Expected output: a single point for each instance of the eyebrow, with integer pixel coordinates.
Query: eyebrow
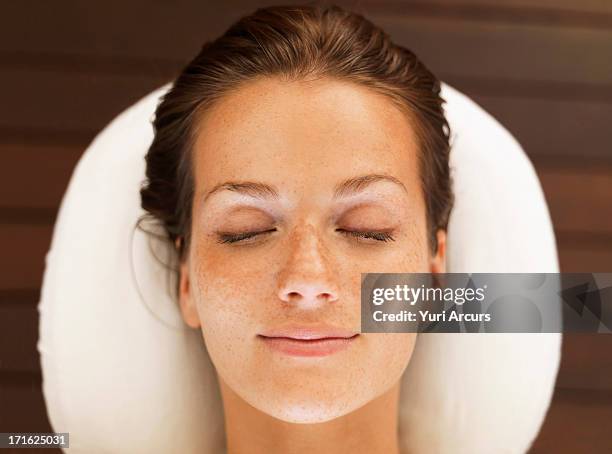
(346, 188)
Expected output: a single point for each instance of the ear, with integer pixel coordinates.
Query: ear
(187, 303)
(438, 261)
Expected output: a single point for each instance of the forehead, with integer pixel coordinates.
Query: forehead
(303, 134)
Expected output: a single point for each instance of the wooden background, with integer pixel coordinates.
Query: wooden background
(542, 67)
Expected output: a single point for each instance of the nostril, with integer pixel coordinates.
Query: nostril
(305, 296)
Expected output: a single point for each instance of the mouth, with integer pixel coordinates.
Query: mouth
(308, 341)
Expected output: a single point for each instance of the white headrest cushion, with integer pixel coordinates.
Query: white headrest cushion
(122, 373)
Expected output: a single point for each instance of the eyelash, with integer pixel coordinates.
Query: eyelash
(235, 238)
(378, 236)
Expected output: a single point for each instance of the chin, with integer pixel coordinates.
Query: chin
(310, 413)
(308, 408)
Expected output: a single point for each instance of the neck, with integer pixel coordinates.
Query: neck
(371, 428)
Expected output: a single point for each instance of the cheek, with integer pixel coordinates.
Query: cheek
(228, 289)
(390, 354)
(226, 299)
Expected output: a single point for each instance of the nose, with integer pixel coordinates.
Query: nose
(308, 278)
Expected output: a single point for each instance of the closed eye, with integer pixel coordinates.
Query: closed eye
(236, 237)
(367, 235)
(378, 236)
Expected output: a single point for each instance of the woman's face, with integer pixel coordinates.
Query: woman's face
(299, 188)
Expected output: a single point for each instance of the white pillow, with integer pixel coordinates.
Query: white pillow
(123, 374)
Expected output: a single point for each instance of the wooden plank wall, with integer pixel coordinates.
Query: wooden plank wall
(542, 67)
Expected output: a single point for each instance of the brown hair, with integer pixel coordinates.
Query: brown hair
(293, 42)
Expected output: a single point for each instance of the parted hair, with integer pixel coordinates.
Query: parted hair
(293, 43)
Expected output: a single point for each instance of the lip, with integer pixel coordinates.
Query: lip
(308, 341)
